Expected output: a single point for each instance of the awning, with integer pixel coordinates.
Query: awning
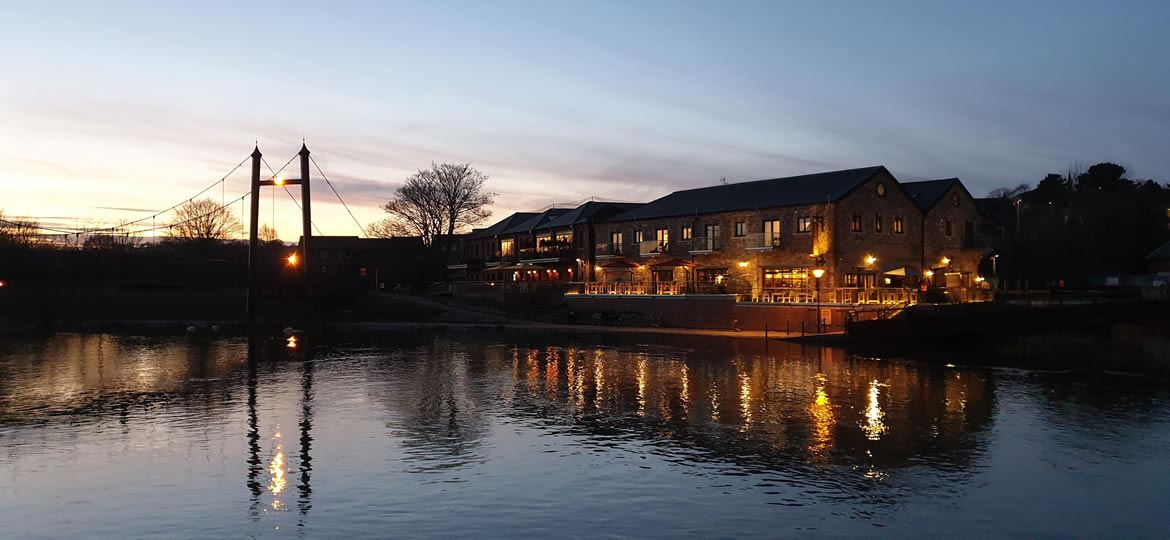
(902, 271)
(519, 267)
(674, 263)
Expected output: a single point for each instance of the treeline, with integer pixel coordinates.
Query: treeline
(1076, 227)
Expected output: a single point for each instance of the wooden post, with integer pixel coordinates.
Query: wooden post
(307, 229)
(253, 236)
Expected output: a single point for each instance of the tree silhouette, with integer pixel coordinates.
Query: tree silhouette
(267, 234)
(436, 202)
(204, 221)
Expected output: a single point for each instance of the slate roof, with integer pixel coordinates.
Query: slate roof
(773, 193)
(927, 193)
(1161, 253)
(499, 226)
(537, 221)
(591, 209)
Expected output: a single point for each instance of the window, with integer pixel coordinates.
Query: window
(897, 225)
(615, 242)
(544, 241)
(955, 200)
(710, 275)
(856, 222)
(850, 280)
(711, 241)
(881, 190)
(363, 271)
(947, 226)
(803, 224)
(877, 224)
(779, 278)
(662, 236)
(772, 233)
(638, 236)
(506, 248)
(740, 228)
(687, 232)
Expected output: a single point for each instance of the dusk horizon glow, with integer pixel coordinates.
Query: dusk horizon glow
(123, 110)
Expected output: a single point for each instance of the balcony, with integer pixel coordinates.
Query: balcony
(651, 248)
(761, 242)
(705, 244)
(608, 251)
(547, 253)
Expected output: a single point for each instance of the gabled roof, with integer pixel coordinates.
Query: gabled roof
(589, 210)
(536, 222)
(773, 193)
(929, 192)
(499, 226)
(1161, 253)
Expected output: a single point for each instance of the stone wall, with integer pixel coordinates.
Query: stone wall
(964, 257)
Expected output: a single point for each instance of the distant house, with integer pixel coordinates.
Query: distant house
(344, 265)
(1158, 261)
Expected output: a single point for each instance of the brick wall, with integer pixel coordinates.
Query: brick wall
(964, 257)
(891, 249)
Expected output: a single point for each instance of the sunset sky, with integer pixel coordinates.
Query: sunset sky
(115, 109)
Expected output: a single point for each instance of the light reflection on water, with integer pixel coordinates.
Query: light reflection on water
(495, 434)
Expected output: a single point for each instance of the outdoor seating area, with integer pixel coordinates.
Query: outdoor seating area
(852, 296)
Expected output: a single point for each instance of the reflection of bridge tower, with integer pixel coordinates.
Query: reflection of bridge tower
(254, 226)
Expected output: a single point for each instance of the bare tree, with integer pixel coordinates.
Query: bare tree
(267, 234)
(204, 220)
(19, 232)
(436, 202)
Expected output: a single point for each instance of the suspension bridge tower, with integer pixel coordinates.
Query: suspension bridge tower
(254, 227)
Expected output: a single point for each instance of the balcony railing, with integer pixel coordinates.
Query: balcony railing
(547, 252)
(650, 248)
(761, 241)
(705, 243)
(609, 250)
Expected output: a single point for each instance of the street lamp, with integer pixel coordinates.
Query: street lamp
(292, 259)
(817, 273)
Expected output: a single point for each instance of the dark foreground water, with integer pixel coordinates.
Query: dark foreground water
(502, 435)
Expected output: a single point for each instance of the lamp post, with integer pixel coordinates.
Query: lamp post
(817, 273)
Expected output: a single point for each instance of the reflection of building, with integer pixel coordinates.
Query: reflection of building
(863, 227)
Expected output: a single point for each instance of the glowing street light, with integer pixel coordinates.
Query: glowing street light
(292, 259)
(870, 259)
(817, 273)
(946, 261)
(279, 180)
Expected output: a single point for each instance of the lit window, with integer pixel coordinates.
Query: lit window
(687, 231)
(877, 224)
(804, 225)
(638, 236)
(615, 242)
(897, 225)
(856, 222)
(772, 233)
(740, 228)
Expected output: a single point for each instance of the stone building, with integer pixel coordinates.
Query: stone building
(862, 227)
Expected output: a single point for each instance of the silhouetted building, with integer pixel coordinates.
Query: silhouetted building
(345, 265)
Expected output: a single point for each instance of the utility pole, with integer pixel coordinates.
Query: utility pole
(306, 218)
(253, 236)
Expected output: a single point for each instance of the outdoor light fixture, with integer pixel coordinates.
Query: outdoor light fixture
(946, 261)
(978, 279)
(870, 259)
(818, 272)
(930, 273)
(279, 180)
(292, 259)
(888, 281)
(597, 268)
(743, 264)
(292, 342)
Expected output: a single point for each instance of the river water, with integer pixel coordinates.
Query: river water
(527, 435)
